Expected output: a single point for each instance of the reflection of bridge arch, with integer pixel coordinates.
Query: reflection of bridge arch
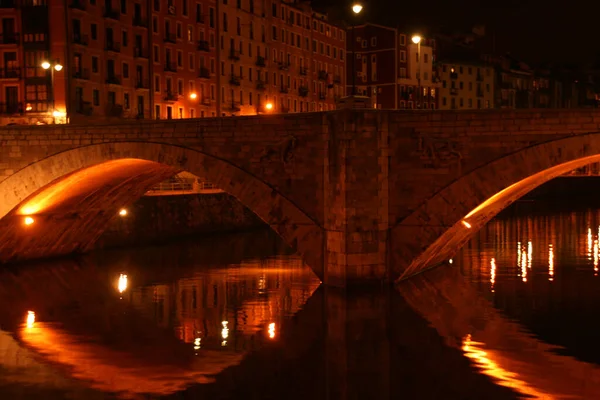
(75, 193)
(455, 213)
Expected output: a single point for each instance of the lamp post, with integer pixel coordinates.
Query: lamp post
(356, 9)
(416, 39)
(54, 66)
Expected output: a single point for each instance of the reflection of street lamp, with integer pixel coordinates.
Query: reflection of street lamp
(416, 39)
(54, 66)
(269, 106)
(356, 9)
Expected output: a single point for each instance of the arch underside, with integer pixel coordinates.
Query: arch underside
(73, 196)
(441, 225)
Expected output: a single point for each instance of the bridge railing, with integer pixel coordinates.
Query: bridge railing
(182, 186)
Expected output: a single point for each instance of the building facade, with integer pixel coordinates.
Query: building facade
(165, 59)
(385, 65)
(466, 86)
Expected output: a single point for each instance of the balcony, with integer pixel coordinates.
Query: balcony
(322, 95)
(169, 38)
(139, 22)
(170, 96)
(111, 14)
(303, 71)
(78, 5)
(139, 52)
(234, 55)
(113, 79)
(80, 39)
(82, 74)
(206, 101)
(322, 75)
(203, 45)
(142, 84)
(260, 85)
(284, 89)
(234, 80)
(303, 91)
(260, 61)
(115, 47)
(9, 38)
(232, 107)
(170, 67)
(284, 66)
(10, 73)
(204, 73)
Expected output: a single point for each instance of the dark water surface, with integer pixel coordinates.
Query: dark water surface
(514, 315)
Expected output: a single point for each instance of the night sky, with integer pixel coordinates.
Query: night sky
(534, 30)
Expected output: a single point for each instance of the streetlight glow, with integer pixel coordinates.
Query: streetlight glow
(28, 220)
(357, 8)
(45, 65)
(123, 212)
(416, 39)
(58, 67)
(269, 106)
(193, 96)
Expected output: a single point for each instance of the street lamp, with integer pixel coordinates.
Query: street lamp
(269, 106)
(54, 66)
(193, 96)
(416, 39)
(356, 9)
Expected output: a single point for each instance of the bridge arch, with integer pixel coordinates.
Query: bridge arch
(448, 219)
(75, 193)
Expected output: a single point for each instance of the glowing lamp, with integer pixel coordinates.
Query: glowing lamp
(58, 67)
(123, 212)
(357, 8)
(269, 106)
(28, 220)
(28, 107)
(416, 39)
(193, 96)
(45, 65)
(30, 319)
(59, 114)
(466, 224)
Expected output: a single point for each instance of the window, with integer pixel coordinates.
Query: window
(94, 31)
(191, 60)
(156, 83)
(124, 39)
(179, 30)
(224, 22)
(96, 97)
(402, 40)
(123, 6)
(374, 41)
(179, 59)
(155, 24)
(180, 113)
(156, 52)
(125, 70)
(156, 5)
(126, 104)
(425, 58)
(180, 87)
(190, 33)
(239, 26)
(184, 8)
(211, 17)
(95, 64)
(157, 111)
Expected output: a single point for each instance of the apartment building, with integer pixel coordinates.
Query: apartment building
(466, 85)
(71, 60)
(278, 56)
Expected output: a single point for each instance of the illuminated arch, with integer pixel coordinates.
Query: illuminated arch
(447, 220)
(79, 190)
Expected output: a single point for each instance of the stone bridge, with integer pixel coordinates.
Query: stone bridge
(362, 195)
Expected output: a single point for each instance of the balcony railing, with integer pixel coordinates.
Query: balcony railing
(140, 52)
(113, 79)
(111, 14)
(234, 80)
(337, 79)
(82, 74)
(80, 39)
(204, 73)
(303, 91)
(10, 73)
(170, 67)
(322, 75)
(113, 46)
(9, 38)
(78, 5)
(303, 71)
(170, 96)
(169, 38)
(284, 66)
(139, 21)
(203, 45)
(261, 62)
(142, 84)
(234, 55)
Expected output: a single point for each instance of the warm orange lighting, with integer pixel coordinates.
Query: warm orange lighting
(193, 96)
(58, 67)
(466, 224)
(28, 220)
(123, 212)
(269, 106)
(272, 330)
(416, 39)
(45, 65)
(30, 319)
(123, 283)
(450, 261)
(550, 262)
(357, 8)
(28, 107)
(492, 273)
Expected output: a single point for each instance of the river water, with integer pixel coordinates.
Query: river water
(514, 315)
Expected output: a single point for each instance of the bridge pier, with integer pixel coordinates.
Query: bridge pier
(356, 200)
